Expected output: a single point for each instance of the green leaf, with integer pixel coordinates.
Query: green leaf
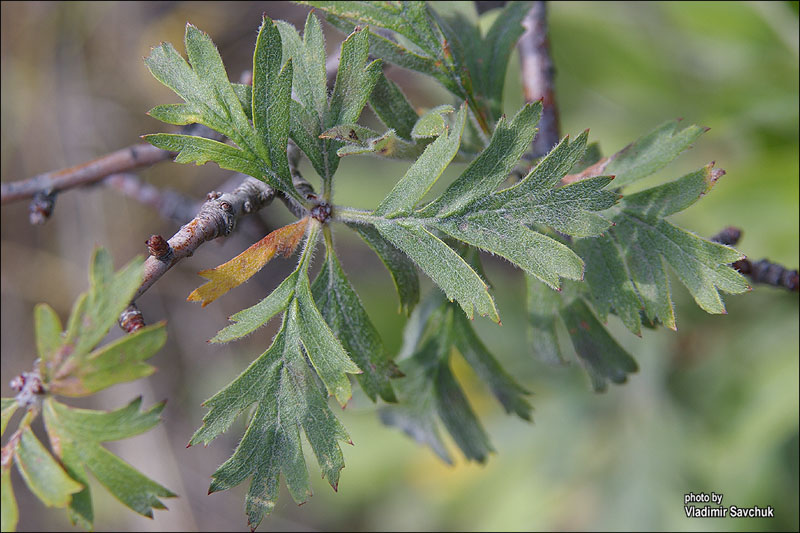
(443, 265)
(626, 267)
(432, 123)
(9, 407)
(424, 172)
(355, 80)
(272, 90)
(348, 320)
(543, 305)
(213, 101)
(400, 267)
(652, 152)
(118, 362)
(9, 512)
(508, 392)
(499, 222)
(200, 151)
(48, 331)
(288, 399)
(43, 475)
(312, 114)
(603, 358)
(430, 393)
(79, 433)
(252, 318)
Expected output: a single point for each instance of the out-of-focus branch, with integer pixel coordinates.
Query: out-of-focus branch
(537, 77)
(126, 159)
(43, 188)
(170, 204)
(763, 271)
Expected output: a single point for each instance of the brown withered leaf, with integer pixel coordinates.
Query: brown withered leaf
(242, 267)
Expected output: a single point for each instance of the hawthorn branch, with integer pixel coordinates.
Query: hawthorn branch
(170, 204)
(764, 271)
(43, 188)
(217, 218)
(537, 78)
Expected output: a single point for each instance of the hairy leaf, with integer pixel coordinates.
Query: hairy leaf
(348, 320)
(312, 113)
(9, 512)
(76, 435)
(213, 101)
(400, 267)
(288, 400)
(501, 222)
(626, 268)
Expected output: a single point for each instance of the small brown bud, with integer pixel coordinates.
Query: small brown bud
(321, 212)
(131, 319)
(158, 247)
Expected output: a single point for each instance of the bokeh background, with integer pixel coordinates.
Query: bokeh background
(714, 406)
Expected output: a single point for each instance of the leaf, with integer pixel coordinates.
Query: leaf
(252, 318)
(543, 305)
(312, 114)
(233, 273)
(626, 267)
(43, 475)
(444, 266)
(200, 151)
(9, 407)
(424, 172)
(9, 512)
(603, 358)
(213, 101)
(288, 400)
(504, 222)
(340, 306)
(430, 393)
(77, 435)
(400, 267)
(48, 331)
(272, 90)
(651, 152)
(442, 41)
(118, 362)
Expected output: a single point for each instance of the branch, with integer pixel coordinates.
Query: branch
(763, 271)
(537, 78)
(43, 188)
(217, 217)
(170, 204)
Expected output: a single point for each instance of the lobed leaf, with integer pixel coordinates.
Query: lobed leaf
(392, 107)
(340, 306)
(9, 512)
(288, 399)
(77, 435)
(600, 354)
(7, 409)
(626, 267)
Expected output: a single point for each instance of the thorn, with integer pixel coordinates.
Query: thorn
(335, 487)
(613, 176)
(189, 445)
(499, 322)
(350, 442)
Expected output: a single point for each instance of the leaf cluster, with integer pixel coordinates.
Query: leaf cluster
(68, 365)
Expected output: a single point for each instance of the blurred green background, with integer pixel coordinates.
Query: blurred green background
(713, 408)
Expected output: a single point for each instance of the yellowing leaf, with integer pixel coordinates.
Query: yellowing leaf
(242, 267)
